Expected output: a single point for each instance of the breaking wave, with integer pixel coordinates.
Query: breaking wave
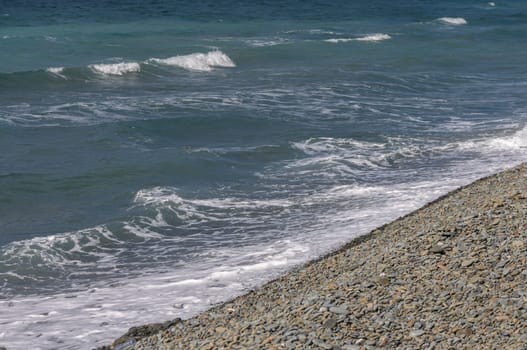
(456, 21)
(116, 68)
(204, 62)
(195, 62)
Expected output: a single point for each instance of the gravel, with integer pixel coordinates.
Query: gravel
(451, 275)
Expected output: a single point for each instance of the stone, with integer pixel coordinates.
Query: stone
(268, 340)
(517, 244)
(383, 341)
(437, 249)
(338, 310)
(330, 323)
(416, 333)
(127, 345)
(220, 329)
(383, 281)
(467, 262)
(322, 344)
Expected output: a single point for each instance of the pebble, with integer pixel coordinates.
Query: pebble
(330, 323)
(450, 275)
(417, 333)
(338, 310)
(322, 344)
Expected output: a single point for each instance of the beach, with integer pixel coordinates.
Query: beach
(449, 275)
(160, 158)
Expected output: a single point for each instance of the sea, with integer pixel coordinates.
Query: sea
(158, 157)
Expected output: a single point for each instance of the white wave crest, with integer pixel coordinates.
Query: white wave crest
(203, 62)
(516, 141)
(370, 38)
(55, 70)
(166, 198)
(116, 68)
(456, 21)
(192, 211)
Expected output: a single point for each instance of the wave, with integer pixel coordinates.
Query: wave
(197, 61)
(370, 38)
(116, 68)
(57, 71)
(160, 222)
(333, 157)
(453, 20)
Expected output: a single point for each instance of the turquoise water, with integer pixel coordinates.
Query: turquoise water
(159, 157)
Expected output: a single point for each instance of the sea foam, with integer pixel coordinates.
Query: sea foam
(116, 68)
(370, 38)
(204, 62)
(456, 21)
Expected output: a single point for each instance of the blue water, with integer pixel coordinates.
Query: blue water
(158, 157)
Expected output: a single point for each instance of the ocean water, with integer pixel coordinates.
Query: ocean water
(159, 157)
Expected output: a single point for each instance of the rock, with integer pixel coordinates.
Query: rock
(268, 340)
(322, 344)
(350, 347)
(517, 244)
(467, 262)
(220, 329)
(330, 323)
(383, 281)
(464, 332)
(383, 341)
(127, 345)
(416, 333)
(136, 333)
(338, 310)
(437, 249)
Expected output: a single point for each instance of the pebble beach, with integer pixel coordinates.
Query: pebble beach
(450, 275)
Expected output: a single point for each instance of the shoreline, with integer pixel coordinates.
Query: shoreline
(449, 274)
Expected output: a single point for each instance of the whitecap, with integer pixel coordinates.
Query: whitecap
(492, 4)
(116, 68)
(203, 62)
(370, 38)
(56, 71)
(453, 20)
